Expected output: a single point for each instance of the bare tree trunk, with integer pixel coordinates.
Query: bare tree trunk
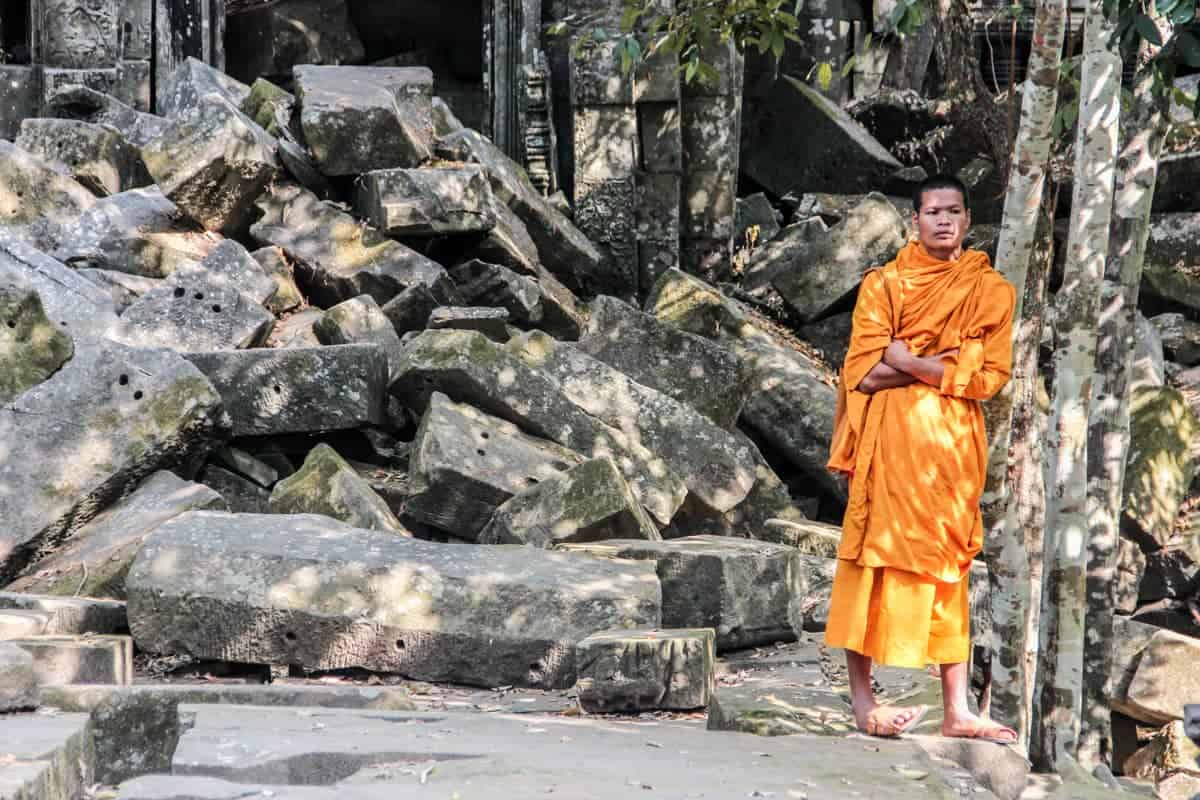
(1108, 432)
(1013, 540)
(1064, 598)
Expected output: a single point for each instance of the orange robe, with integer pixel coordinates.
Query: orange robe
(916, 457)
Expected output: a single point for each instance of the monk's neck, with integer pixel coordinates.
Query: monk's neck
(942, 253)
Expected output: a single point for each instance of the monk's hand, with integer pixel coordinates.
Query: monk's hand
(897, 356)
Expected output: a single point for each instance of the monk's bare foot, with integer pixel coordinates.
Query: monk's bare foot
(887, 721)
(970, 726)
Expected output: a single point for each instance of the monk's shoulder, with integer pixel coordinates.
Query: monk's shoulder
(996, 285)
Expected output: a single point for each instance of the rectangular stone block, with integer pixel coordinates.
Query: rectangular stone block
(20, 97)
(53, 79)
(70, 616)
(605, 212)
(302, 389)
(18, 624)
(428, 201)
(708, 203)
(135, 31)
(658, 201)
(75, 34)
(606, 143)
(18, 681)
(133, 84)
(634, 671)
(596, 77)
(308, 590)
(1165, 679)
(657, 79)
(46, 757)
(707, 258)
(61, 660)
(660, 133)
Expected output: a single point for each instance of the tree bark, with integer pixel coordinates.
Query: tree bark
(1064, 598)
(1013, 540)
(1108, 430)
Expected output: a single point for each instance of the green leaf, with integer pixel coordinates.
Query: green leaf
(1070, 114)
(556, 29)
(1189, 49)
(777, 44)
(849, 65)
(1164, 7)
(630, 17)
(824, 75)
(1148, 30)
(1184, 13)
(690, 72)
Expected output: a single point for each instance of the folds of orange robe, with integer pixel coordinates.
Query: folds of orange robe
(917, 455)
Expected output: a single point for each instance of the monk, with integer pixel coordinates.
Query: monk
(931, 338)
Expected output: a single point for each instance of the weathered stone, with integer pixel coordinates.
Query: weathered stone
(540, 303)
(139, 232)
(1172, 254)
(686, 367)
(489, 616)
(123, 288)
(605, 210)
(469, 368)
(646, 670)
(94, 562)
(19, 97)
(1158, 467)
(587, 503)
(71, 302)
(791, 398)
(299, 389)
(47, 756)
(297, 329)
(1127, 580)
(716, 467)
(444, 120)
(1165, 679)
(660, 136)
(228, 266)
(97, 156)
(359, 119)
(88, 105)
(808, 536)
(359, 320)
(1170, 572)
(327, 485)
(562, 248)
(38, 199)
(829, 336)
(755, 221)
(508, 243)
(212, 163)
(1148, 367)
(410, 310)
(193, 314)
(336, 256)
(1180, 338)
(1180, 786)
(18, 682)
(812, 269)
(191, 81)
(132, 86)
(738, 587)
(429, 201)
(287, 294)
(70, 616)
(465, 464)
(239, 494)
(112, 415)
(269, 106)
(491, 322)
(61, 660)
(15, 624)
(32, 348)
(54, 79)
(246, 465)
(271, 39)
(1169, 751)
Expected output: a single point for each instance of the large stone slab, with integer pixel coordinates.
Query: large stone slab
(327, 484)
(88, 105)
(188, 84)
(46, 757)
(111, 416)
(70, 616)
(1172, 252)
(61, 660)
(689, 368)
(738, 587)
(94, 562)
(1164, 680)
(301, 389)
(645, 670)
(587, 503)
(32, 348)
(429, 201)
(1159, 465)
(337, 257)
(359, 119)
(470, 368)
(491, 322)
(38, 199)
(18, 681)
(465, 464)
(97, 156)
(536, 300)
(123, 288)
(410, 310)
(230, 266)
(190, 313)
(308, 590)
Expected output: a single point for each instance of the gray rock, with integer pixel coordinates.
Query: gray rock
(1172, 252)
(63, 660)
(327, 485)
(247, 465)
(122, 287)
(829, 336)
(686, 367)
(287, 294)
(32, 348)
(97, 156)
(271, 39)
(587, 503)
(410, 310)
(337, 257)
(469, 368)
(269, 106)
(754, 212)
(70, 616)
(1149, 369)
(111, 416)
(1170, 573)
(193, 314)
(491, 322)
(18, 683)
(717, 468)
(38, 200)
(465, 464)
(15, 624)
(360, 320)
(1127, 579)
(71, 302)
(321, 594)
(228, 266)
(359, 119)
(88, 105)
(429, 201)
(298, 390)
(238, 493)
(444, 120)
(1180, 338)
(739, 587)
(212, 163)
(508, 243)
(190, 82)
(297, 329)
(634, 671)
(539, 303)
(1159, 466)
(1164, 679)
(94, 562)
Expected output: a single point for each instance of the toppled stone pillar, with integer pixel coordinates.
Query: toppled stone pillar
(645, 670)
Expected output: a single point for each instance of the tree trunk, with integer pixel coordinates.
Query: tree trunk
(1062, 628)
(1108, 431)
(1013, 541)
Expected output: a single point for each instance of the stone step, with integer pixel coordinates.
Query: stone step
(61, 660)
(70, 616)
(45, 757)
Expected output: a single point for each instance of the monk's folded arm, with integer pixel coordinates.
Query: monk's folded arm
(993, 335)
(927, 369)
(883, 377)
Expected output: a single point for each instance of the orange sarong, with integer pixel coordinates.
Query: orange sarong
(916, 457)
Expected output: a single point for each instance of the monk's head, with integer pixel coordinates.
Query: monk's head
(941, 215)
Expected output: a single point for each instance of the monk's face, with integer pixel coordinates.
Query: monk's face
(942, 222)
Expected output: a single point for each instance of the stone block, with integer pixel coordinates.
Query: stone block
(710, 133)
(32, 348)
(659, 195)
(754, 211)
(38, 199)
(122, 287)
(661, 137)
(150, 408)
(297, 330)
(1164, 680)
(16, 624)
(606, 212)
(228, 266)
(321, 594)
(1180, 786)
(248, 466)
(54, 80)
(18, 681)
(269, 106)
(133, 84)
(359, 119)
(606, 143)
(94, 562)
(540, 303)
(98, 157)
(466, 464)
(336, 256)
(429, 201)
(70, 616)
(270, 40)
(88, 105)
(61, 660)
(1158, 466)
(297, 390)
(287, 294)
(410, 310)
(359, 320)
(508, 243)
(657, 79)
(596, 77)
(75, 36)
(491, 322)
(20, 97)
(190, 82)
(829, 336)
(238, 493)
(1179, 335)
(711, 259)
(1170, 573)
(193, 314)
(739, 587)
(587, 503)
(445, 122)
(1169, 751)
(708, 204)
(634, 671)
(327, 484)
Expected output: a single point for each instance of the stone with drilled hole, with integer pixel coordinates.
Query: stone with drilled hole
(64, 660)
(646, 670)
(70, 616)
(359, 320)
(195, 315)
(228, 266)
(18, 682)
(97, 156)
(32, 348)
(309, 590)
(327, 485)
(491, 322)
(72, 303)
(429, 201)
(38, 199)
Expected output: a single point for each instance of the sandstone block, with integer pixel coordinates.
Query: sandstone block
(18, 682)
(491, 322)
(410, 310)
(1180, 338)
(32, 348)
(88, 105)
(1164, 680)
(229, 266)
(38, 199)
(70, 616)
(16, 624)
(270, 40)
(72, 303)
(61, 660)
(190, 82)
(427, 202)
(287, 294)
(123, 288)
(645, 670)
(98, 157)
(1159, 465)
(238, 494)
(538, 302)
(192, 314)
(327, 485)
(359, 320)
